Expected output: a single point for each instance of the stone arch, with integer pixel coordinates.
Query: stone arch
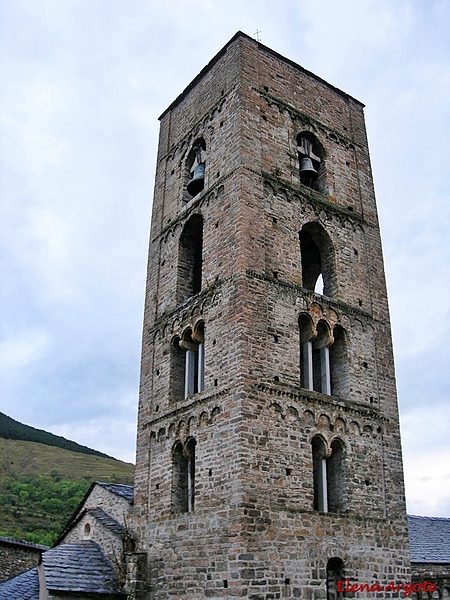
(292, 413)
(203, 419)
(339, 425)
(324, 422)
(354, 428)
(309, 418)
(215, 412)
(275, 409)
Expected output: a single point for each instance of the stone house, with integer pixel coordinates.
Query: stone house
(88, 559)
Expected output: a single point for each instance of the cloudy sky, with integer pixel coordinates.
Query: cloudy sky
(82, 85)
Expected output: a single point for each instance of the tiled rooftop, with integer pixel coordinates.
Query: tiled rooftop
(429, 539)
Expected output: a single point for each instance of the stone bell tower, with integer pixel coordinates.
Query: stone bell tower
(269, 460)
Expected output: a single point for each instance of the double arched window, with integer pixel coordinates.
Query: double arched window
(328, 475)
(183, 482)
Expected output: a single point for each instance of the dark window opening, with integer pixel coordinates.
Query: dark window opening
(190, 249)
(335, 478)
(340, 384)
(317, 260)
(177, 367)
(335, 573)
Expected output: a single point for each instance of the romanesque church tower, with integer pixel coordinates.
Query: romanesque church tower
(269, 460)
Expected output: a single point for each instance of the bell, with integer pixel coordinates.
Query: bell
(307, 170)
(197, 183)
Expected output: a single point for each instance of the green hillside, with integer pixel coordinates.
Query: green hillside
(13, 430)
(41, 485)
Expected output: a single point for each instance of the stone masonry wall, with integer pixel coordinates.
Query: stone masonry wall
(17, 557)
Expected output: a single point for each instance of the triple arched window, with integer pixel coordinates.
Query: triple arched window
(323, 357)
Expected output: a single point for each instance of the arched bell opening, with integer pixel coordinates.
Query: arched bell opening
(195, 168)
(311, 156)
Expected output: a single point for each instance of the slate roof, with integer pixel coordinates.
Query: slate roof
(125, 491)
(22, 587)
(77, 567)
(22, 544)
(429, 539)
(107, 521)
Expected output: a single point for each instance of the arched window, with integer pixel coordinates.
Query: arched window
(335, 478)
(183, 484)
(335, 573)
(311, 156)
(328, 476)
(321, 359)
(190, 457)
(315, 371)
(193, 343)
(190, 249)
(318, 259)
(320, 474)
(340, 385)
(307, 334)
(177, 368)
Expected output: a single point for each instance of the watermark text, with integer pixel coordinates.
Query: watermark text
(346, 585)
